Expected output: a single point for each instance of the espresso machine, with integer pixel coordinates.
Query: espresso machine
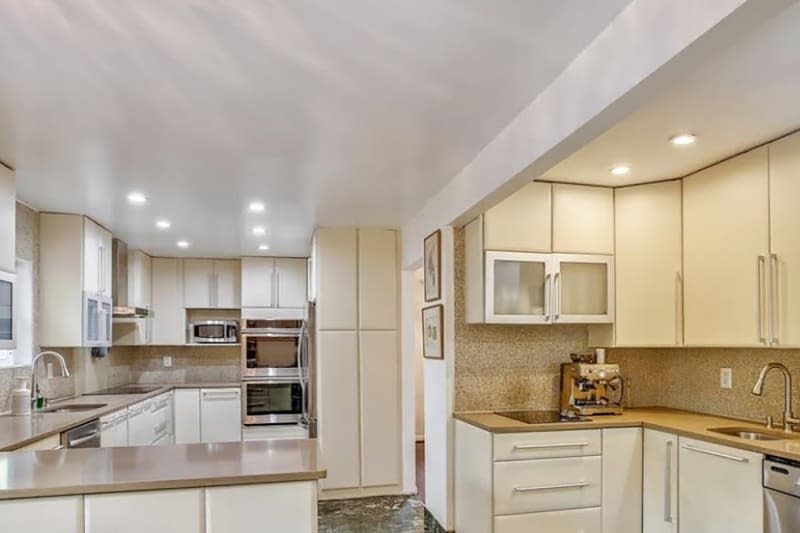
(589, 388)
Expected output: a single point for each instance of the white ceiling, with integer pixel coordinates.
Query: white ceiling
(741, 97)
(346, 112)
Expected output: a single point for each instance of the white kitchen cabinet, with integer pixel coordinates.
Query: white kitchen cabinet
(784, 263)
(726, 252)
(140, 424)
(622, 480)
(648, 260)
(63, 514)
(211, 283)
(282, 507)
(139, 279)
(274, 282)
(719, 488)
(583, 219)
(74, 282)
(220, 415)
(338, 407)
(337, 283)
(570, 521)
(377, 279)
(175, 511)
(522, 222)
(114, 429)
(187, 416)
(168, 320)
(380, 408)
(53, 442)
(659, 482)
(8, 209)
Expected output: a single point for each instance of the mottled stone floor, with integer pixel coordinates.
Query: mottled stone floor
(389, 514)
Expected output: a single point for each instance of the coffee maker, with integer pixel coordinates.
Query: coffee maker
(589, 388)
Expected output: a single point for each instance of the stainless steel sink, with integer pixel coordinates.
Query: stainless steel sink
(73, 408)
(753, 433)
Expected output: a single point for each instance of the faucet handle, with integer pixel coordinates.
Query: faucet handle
(770, 422)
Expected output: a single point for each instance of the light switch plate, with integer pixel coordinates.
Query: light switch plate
(726, 378)
(167, 360)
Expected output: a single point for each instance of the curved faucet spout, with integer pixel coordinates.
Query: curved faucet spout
(758, 389)
(62, 364)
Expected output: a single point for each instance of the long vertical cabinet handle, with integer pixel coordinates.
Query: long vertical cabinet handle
(668, 484)
(678, 292)
(774, 309)
(547, 294)
(760, 263)
(273, 286)
(277, 288)
(557, 296)
(216, 290)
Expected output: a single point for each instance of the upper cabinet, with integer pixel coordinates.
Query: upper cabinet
(96, 258)
(512, 276)
(583, 219)
(648, 261)
(168, 314)
(725, 252)
(279, 283)
(211, 283)
(7, 220)
(139, 279)
(377, 274)
(784, 260)
(337, 278)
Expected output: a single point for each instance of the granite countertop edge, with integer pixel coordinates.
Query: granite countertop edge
(115, 403)
(682, 423)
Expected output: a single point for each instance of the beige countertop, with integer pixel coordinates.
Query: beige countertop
(104, 470)
(19, 431)
(688, 424)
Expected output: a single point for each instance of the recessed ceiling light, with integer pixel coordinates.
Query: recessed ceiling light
(163, 224)
(256, 207)
(137, 198)
(259, 230)
(263, 247)
(683, 139)
(619, 170)
(182, 244)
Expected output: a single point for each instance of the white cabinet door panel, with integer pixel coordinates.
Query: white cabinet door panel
(571, 521)
(258, 278)
(660, 482)
(583, 219)
(187, 416)
(267, 508)
(169, 317)
(521, 222)
(622, 480)
(292, 282)
(227, 283)
(377, 279)
(198, 283)
(337, 284)
(547, 444)
(8, 252)
(162, 511)
(53, 515)
(220, 415)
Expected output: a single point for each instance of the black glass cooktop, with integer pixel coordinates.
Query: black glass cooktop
(128, 389)
(540, 417)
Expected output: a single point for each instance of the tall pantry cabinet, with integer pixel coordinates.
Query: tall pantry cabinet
(356, 280)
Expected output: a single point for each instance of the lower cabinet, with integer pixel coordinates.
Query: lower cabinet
(53, 515)
(187, 416)
(660, 482)
(582, 481)
(176, 511)
(280, 507)
(114, 429)
(220, 415)
(719, 488)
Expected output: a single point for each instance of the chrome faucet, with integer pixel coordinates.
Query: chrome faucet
(789, 419)
(61, 362)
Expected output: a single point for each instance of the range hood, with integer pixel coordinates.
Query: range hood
(119, 281)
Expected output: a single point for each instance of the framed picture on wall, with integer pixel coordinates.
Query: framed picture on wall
(433, 332)
(432, 266)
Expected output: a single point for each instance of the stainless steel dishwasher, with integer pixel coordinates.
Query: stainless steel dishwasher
(781, 495)
(84, 436)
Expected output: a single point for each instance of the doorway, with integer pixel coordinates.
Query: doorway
(419, 370)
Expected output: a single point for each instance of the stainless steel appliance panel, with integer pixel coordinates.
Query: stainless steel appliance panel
(781, 496)
(272, 348)
(84, 436)
(214, 332)
(273, 401)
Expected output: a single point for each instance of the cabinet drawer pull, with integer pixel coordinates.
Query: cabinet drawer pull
(554, 445)
(578, 485)
(716, 454)
(220, 395)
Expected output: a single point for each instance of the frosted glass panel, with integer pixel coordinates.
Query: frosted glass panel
(518, 288)
(584, 288)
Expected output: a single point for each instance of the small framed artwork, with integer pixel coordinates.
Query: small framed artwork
(433, 332)
(432, 266)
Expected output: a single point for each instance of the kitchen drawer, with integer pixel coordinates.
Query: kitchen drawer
(547, 444)
(547, 485)
(572, 521)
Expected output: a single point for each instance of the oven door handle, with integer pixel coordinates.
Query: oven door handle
(82, 440)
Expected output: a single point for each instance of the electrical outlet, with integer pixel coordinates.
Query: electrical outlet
(167, 360)
(726, 378)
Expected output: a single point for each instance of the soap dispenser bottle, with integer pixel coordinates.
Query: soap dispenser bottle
(21, 397)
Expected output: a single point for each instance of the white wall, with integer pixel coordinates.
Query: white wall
(419, 360)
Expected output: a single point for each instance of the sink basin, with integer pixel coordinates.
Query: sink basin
(753, 433)
(73, 408)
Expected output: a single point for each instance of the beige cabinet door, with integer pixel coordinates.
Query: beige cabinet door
(139, 267)
(92, 262)
(725, 247)
(583, 219)
(169, 317)
(337, 279)
(338, 406)
(227, 283)
(784, 175)
(258, 281)
(380, 408)
(8, 252)
(521, 222)
(198, 283)
(660, 482)
(291, 278)
(648, 265)
(377, 279)
(176, 511)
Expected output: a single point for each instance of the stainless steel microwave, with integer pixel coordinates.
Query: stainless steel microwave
(214, 332)
(7, 341)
